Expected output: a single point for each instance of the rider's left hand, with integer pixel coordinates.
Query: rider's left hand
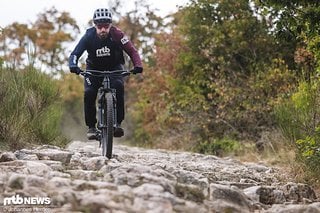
(137, 70)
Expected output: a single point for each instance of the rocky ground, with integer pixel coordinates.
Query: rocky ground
(78, 179)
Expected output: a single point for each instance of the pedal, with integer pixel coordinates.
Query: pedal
(94, 137)
(118, 132)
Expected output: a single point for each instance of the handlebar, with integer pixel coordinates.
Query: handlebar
(99, 73)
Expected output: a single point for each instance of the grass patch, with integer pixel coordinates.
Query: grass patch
(30, 110)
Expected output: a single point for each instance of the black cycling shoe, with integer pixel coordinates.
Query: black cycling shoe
(118, 132)
(93, 134)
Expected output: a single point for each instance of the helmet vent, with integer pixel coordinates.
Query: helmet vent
(102, 15)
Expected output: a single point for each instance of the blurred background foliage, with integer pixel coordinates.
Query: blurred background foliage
(221, 77)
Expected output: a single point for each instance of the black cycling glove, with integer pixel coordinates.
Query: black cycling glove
(137, 70)
(75, 70)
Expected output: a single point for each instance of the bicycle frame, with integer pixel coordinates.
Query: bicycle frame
(107, 110)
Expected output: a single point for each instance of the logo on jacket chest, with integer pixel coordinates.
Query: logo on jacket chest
(104, 51)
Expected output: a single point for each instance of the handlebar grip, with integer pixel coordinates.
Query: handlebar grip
(125, 74)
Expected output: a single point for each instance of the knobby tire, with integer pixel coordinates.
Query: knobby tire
(107, 130)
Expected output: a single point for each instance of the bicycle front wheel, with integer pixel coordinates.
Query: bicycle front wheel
(107, 129)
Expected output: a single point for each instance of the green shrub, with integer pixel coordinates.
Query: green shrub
(299, 120)
(30, 109)
(218, 147)
(299, 116)
(309, 152)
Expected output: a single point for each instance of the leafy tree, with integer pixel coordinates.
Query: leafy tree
(230, 49)
(297, 22)
(52, 29)
(153, 108)
(216, 72)
(293, 18)
(14, 41)
(39, 42)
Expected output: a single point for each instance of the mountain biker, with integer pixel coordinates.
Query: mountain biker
(104, 44)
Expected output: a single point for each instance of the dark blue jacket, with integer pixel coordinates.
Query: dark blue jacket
(104, 54)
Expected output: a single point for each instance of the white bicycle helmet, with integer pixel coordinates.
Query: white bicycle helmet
(102, 15)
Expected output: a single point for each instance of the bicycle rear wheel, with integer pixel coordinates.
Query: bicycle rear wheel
(107, 129)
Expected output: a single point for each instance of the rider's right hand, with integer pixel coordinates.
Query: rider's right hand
(75, 70)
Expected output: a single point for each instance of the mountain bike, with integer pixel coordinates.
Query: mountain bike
(107, 111)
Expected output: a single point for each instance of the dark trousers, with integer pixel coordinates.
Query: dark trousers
(91, 86)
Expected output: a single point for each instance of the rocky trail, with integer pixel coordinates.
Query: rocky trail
(78, 179)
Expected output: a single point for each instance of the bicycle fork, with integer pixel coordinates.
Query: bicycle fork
(101, 99)
(101, 121)
(114, 108)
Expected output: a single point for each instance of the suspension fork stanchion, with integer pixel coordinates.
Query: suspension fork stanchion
(114, 93)
(106, 83)
(107, 88)
(100, 107)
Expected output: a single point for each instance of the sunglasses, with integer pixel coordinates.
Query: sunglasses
(100, 26)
